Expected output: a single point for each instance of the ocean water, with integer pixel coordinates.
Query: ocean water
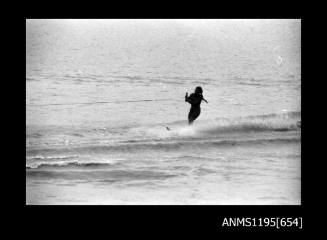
(100, 94)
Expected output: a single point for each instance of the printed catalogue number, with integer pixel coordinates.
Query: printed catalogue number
(274, 222)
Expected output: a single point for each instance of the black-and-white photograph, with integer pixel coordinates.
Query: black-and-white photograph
(163, 111)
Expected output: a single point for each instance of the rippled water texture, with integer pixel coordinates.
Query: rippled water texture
(100, 94)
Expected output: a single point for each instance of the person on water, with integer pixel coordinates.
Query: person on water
(195, 100)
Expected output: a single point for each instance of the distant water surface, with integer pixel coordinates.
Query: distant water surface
(100, 93)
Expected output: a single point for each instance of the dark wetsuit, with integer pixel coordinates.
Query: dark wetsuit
(195, 101)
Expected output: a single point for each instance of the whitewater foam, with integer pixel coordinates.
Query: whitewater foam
(288, 121)
(66, 164)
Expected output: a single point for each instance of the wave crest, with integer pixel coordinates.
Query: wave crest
(66, 164)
